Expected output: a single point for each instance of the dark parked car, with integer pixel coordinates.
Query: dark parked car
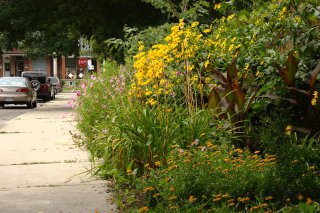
(17, 90)
(45, 90)
(56, 82)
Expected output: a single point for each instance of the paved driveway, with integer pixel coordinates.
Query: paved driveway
(42, 170)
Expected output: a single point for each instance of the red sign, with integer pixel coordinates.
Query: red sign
(82, 62)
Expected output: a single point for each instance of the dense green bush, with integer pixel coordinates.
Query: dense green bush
(221, 117)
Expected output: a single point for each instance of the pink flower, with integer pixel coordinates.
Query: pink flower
(93, 77)
(196, 141)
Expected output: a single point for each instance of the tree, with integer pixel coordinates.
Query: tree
(55, 26)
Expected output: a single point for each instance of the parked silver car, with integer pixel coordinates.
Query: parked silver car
(56, 82)
(17, 90)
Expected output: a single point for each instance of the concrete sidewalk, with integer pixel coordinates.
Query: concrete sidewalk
(42, 170)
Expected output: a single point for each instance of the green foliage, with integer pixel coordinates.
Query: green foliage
(209, 177)
(56, 26)
(179, 155)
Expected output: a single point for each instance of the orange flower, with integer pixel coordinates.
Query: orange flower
(173, 198)
(243, 200)
(309, 200)
(148, 189)
(157, 163)
(216, 199)
(268, 198)
(300, 197)
(192, 199)
(144, 209)
(156, 195)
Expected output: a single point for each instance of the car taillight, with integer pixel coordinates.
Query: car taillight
(23, 90)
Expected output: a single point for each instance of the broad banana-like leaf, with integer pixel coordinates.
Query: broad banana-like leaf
(313, 75)
(240, 98)
(218, 75)
(232, 72)
(288, 73)
(214, 101)
(229, 94)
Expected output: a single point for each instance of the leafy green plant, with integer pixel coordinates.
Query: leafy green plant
(302, 97)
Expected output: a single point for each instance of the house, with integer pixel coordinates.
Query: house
(13, 62)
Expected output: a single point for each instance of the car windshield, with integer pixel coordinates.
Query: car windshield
(54, 80)
(13, 82)
(35, 76)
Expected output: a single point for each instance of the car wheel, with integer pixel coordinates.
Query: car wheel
(29, 105)
(35, 84)
(35, 103)
(1, 105)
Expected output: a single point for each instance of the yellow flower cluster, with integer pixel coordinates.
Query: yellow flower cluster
(176, 61)
(314, 98)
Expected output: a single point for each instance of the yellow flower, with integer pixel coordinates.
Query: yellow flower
(157, 163)
(173, 198)
(144, 209)
(192, 199)
(194, 24)
(247, 67)
(231, 17)
(231, 47)
(147, 92)
(207, 31)
(314, 98)
(129, 171)
(152, 102)
(288, 130)
(206, 63)
(217, 6)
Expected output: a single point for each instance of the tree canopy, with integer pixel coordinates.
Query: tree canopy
(55, 26)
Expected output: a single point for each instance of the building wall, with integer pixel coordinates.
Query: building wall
(46, 64)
